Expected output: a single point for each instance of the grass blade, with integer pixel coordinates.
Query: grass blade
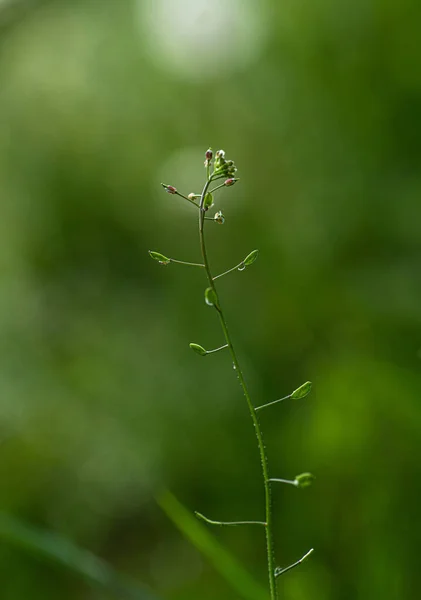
(63, 552)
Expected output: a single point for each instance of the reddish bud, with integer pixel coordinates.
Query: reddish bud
(209, 154)
(169, 188)
(229, 182)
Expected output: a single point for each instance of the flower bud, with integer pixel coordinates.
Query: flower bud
(219, 218)
(220, 154)
(249, 260)
(169, 188)
(192, 196)
(163, 260)
(209, 154)
(199, 349)
(302, 391)
(304, 480)
(230, 181)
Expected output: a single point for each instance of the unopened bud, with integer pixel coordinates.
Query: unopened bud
(302, 391)
(169, 188)
(192, 196)
(220, 154)
(199, 349)
(209, 154)
(304, 480)
(219, 218)
(230, 181)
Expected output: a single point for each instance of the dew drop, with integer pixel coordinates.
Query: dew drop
(233, 366)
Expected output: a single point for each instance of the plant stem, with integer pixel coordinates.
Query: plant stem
(290, 481)
(279, 572)
(217, 349)
(229, 270)
(262, 450)
(183, 262)
(224, 523)
(188, 199)
(274, 402)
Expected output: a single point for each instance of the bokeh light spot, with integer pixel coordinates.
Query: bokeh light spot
(198, 39)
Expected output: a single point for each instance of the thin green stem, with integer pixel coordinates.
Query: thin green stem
(182, 262)
(290, 481)
(217, 188)
(272, 403)
(262, 450)
(241, 264)
(229, 523)
(282, 571)
(217, 349)
(188, 199)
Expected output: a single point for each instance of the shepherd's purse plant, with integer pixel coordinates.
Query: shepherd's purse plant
(220, 174)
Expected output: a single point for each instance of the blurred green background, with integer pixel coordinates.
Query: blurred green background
(102, 404)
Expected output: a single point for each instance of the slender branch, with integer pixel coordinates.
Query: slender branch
(271, 403)
(217, 349)
(237, 267)
(221, 185)
(279, 571)
(188, 199)
(211, 522)
(182, 262)
(290, 481)
(262, 450)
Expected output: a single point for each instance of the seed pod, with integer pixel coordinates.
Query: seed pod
(163, 260)
(199, 349)
(208, 202)
(210, 297)
(249, 260)
(302, 391)
(304, 480)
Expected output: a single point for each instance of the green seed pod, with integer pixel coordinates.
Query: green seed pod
(210, 297)
(249, 260)
(163, 260)
(208, 202)
(302, 391)
(199, 349)
(304, 480)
